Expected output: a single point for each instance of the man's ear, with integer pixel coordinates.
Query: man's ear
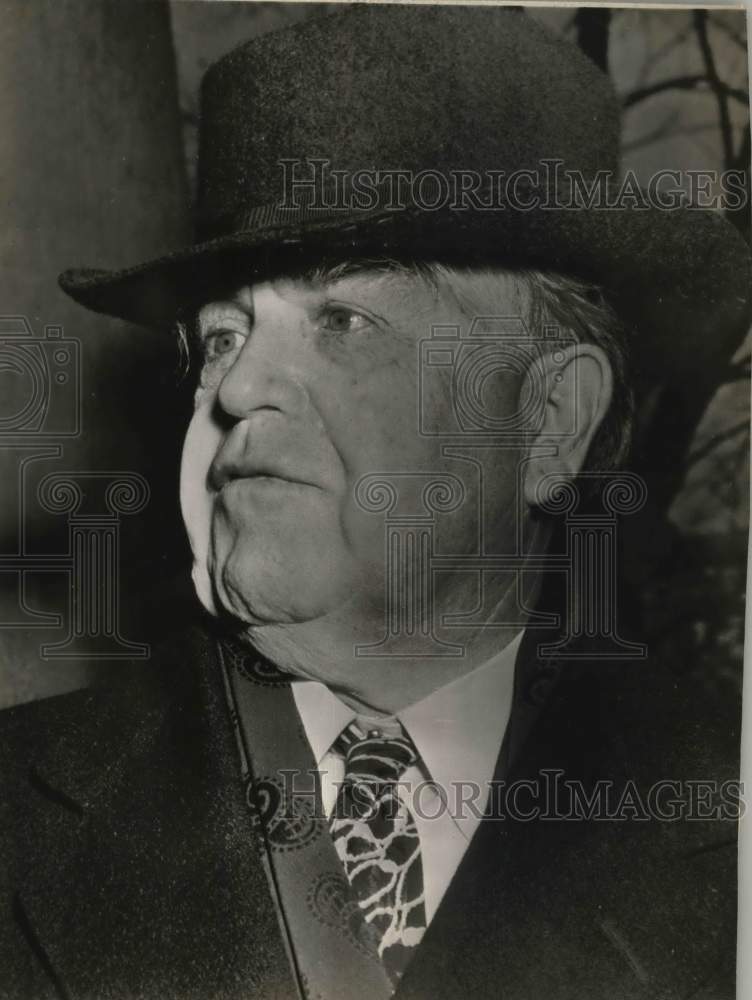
(575, 385)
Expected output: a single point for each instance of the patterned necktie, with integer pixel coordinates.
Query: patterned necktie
(376, 839)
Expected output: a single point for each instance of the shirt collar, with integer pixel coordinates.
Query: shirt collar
(323, 715)
(457, 729)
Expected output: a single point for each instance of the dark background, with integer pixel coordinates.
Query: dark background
(98, 110)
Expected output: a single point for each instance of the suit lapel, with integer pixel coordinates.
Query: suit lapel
(580, 910)
(146, 881)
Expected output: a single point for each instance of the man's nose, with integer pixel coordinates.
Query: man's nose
(267, 374)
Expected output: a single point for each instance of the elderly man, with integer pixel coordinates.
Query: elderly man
(330, 786)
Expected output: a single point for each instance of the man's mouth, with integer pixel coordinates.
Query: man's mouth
(260, 480)
(225, 473)
(257, 471)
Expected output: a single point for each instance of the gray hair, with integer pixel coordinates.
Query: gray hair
(578, 310)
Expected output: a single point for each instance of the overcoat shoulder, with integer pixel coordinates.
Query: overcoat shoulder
(129, 867)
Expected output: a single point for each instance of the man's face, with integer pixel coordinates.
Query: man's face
(306, 388)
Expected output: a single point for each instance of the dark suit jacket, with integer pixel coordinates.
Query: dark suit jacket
(127, 869)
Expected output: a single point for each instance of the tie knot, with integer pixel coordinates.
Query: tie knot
(375, 759)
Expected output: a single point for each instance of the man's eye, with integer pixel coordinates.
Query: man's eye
(222, 342)
(340, 319)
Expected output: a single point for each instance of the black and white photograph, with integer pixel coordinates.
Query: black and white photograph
(374, 447)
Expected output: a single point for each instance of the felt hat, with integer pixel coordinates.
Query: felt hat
(467, 133)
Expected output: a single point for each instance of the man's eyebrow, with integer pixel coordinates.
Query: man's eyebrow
(330, 272)
(213, 313)
(194, 321)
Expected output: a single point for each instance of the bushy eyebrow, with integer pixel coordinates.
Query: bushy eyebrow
(318, 275)
(215, 313)
(329, 272)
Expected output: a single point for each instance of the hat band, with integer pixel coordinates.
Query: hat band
(374, 197)
(276, 216)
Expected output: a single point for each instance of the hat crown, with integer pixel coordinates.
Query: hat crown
(386, 88)
(430, 88)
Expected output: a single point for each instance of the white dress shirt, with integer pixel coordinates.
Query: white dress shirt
(457, 730)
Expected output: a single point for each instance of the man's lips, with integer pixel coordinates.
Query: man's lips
(225, 475)
(261, 479)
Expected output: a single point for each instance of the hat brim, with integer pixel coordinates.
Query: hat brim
(678, 277)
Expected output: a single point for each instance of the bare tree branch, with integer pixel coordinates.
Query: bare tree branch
(682, 83)
(727, 136)
(730, 33)
(663, 50)
(673, 129)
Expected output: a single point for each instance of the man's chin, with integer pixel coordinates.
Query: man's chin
(261, 592)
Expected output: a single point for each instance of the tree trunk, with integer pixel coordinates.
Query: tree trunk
(92, 173)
